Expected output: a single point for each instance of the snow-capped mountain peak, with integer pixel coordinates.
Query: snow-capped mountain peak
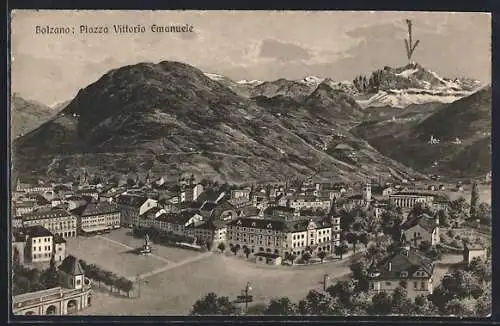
(312, 80)
(215, 77)
(253, 82)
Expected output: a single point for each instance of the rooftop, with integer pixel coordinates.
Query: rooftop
(37, 231)
(427, 222)
(404, 260)
(46, 214)
(71, 266)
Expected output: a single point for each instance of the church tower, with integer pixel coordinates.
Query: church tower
(73, 272)
(367, 192)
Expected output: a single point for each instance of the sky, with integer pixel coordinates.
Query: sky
(264, 45)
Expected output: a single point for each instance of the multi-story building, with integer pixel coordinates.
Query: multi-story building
(177, 222)
(32, 188)
(318, 234)
(241, 193)
(406, 268)
(39, 244)
(96, 217)
(56, 220)
(277, 236)
(132, 206)
(310, 202)
(408, 199)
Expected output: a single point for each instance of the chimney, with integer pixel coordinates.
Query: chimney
(390, 266)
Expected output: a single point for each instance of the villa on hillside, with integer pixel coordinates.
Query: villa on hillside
(407, 268)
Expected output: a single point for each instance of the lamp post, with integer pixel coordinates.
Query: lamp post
(248, 288)
(325, 279)
(138, 280)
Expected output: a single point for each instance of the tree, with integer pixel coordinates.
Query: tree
(423, 306)
(401, 304)
(363, 238)
(126, 285)
(444, 218)
(221, 247)
(459, 208)
(51, 276)
(246, 250)
(322, 255)
(281, 306)
(360, 274)
(381, 304)
(306, 256)
(474, 201)
(344, 291)
(480, 269)
(341, 249)
(316, 303)
(484, 213)
(352, 238)
(16, 257)
(211, 304)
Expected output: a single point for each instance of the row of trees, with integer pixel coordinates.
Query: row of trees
(463, 292)
(110, 279)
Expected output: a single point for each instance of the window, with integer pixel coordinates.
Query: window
(415, 285)
(422, 285)
(404, 274)
(78, 282)
(388, 283)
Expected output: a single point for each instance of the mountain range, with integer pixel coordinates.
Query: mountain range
(169, 118)
(27, 115)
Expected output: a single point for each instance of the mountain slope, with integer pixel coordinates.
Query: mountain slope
(27, 115)
(407, 140)
(171, 118)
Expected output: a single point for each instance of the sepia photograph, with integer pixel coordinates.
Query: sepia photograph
(250, 163)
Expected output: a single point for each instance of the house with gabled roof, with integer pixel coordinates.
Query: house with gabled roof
(407, 268)
(418, 229)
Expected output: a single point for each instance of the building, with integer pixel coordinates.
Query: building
(131, 206)
(56, 220)
(316, 234)
(190, 192)
(177, 222)
(59, 248)
(472, 251)
(39, 244)
(408, 199)
(97, 217)
(418, 229)
(406, 268)
(277, 236)
(72, 296)
(310, 202)
(31, 188)
(241, 193)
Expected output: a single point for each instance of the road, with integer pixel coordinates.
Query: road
(174, 265)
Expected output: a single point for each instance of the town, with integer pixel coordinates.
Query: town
(100, 245)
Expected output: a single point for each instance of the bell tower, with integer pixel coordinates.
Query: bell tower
(367, 192)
